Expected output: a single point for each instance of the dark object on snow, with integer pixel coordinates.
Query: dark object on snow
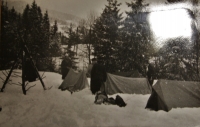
(98, 77)
(119, 101)
(100, 98)
(168, 94)
(111, 101)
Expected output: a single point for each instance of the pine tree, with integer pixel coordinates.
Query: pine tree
(136, 47)
(54, 28)
(4, 29)
(69, 53)
(37, 36)
(32, 18)
(106, 29)
(46, 32)
(30, 28)
(176, 62)
(9, 39)
(55, 39)
(26, 23)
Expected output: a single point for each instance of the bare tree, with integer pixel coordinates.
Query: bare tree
(86, 31)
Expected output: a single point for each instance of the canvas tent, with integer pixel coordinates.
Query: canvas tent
(168, 94)
(74, 81)
(119, 84)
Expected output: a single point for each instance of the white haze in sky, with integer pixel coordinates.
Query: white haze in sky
(171, 24)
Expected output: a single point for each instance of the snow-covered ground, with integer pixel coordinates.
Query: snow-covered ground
(56, 108)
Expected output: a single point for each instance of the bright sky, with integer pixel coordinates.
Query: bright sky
(80, 8)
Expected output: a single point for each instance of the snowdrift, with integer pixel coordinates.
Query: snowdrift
(55, 108)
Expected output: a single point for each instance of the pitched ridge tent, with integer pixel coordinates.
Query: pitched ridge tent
(119, 84)
(74, 81)
(168, 94)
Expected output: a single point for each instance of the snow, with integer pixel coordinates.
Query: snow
(56, 108)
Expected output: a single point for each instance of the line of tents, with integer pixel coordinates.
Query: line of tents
(165, 94)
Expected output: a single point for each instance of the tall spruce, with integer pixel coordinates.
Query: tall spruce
(30, 28)
(106, 29)
(27, 23)
(46, 32)
(32, 18)
(136, 48)
(37, 36)
(9, 39)
(55, 41)
(175, 60)
(69, 53)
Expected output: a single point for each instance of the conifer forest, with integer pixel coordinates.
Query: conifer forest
(121, 43)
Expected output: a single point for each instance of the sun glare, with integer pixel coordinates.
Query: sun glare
(170, 24)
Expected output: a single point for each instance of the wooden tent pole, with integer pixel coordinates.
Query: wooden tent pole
(23, 72)
(7, 78)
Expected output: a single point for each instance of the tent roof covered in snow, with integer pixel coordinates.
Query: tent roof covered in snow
(168, 94)
(119, 84)
(74, 81)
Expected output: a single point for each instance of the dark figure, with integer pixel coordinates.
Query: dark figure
(151, 74)
(64, 68)
(30, 72)
(94, 60)
(98, 77)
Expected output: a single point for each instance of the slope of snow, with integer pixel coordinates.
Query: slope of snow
(56, 108)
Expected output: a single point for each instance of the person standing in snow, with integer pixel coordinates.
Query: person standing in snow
(64, 67)
(150, 73)
(88, 73)
(98, 77)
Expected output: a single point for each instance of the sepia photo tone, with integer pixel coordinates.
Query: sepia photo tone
(94, 63)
